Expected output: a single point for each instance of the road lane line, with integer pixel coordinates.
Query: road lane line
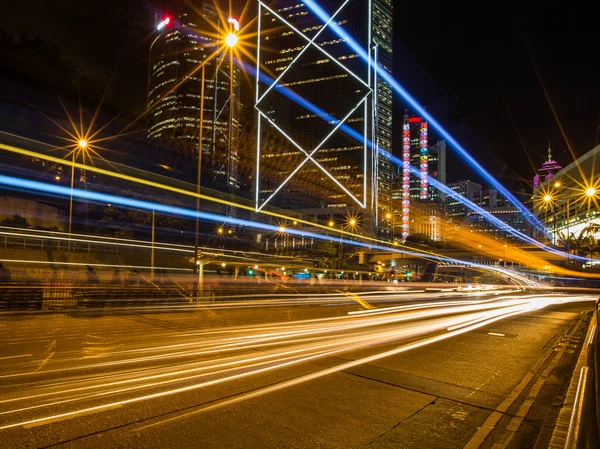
(44, 362)
(490, 423)
(66, 418)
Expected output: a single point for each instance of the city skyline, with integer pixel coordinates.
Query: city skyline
(424, 80)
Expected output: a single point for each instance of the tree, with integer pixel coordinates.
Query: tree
(326, 252)
(16, 221)
(418, 238)
(585, 243)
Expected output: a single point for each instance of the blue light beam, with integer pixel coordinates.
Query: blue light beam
(49, 189)
(354, 45)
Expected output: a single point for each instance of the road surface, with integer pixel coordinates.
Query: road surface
(380, 370)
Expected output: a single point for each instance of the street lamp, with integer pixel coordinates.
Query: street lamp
(231, 40)
(591, 192)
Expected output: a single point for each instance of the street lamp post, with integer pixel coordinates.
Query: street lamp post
(230, 40)
(549, 200)
(199, 173)
(82, 144)
(390, 218)
(591, 193)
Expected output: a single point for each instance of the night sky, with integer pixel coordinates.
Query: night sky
(468, 65)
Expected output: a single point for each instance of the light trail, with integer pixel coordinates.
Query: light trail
(132, 243)
(101, 386)
(415, 252)
(47, 189)
(190, 193)
(358, 137)
(324, 16)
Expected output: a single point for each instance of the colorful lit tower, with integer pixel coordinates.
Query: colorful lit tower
(423, 165)
(547, 170)
(416, 153)
(405, 177)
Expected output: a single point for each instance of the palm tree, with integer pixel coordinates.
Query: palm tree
(585, 243)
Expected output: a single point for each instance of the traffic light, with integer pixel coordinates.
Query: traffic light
(250, 272)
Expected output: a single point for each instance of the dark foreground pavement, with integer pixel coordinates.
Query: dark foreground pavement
(231, 376)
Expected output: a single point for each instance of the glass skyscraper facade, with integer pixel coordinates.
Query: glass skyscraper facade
(177, 51)
(311, 80)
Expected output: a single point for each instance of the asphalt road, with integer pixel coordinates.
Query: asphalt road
(380, 370)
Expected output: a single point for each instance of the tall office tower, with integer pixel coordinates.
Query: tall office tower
(419, 157)
(429, 161)
(382, 37)
(319, 106)
(456, 211)
(437, 169)
(183, 40)
(496, 205)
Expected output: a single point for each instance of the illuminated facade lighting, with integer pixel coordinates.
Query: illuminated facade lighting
(405, 178)
(166, 21)
(423, 166)
(234, 23)
(315, 85)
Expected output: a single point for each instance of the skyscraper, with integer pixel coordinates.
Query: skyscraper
(494, 204)
(183, 41)
(430, 162)
(456, 211)
(319, 106)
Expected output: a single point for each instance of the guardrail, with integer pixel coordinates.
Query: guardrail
(17, 297)
(583, 425)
